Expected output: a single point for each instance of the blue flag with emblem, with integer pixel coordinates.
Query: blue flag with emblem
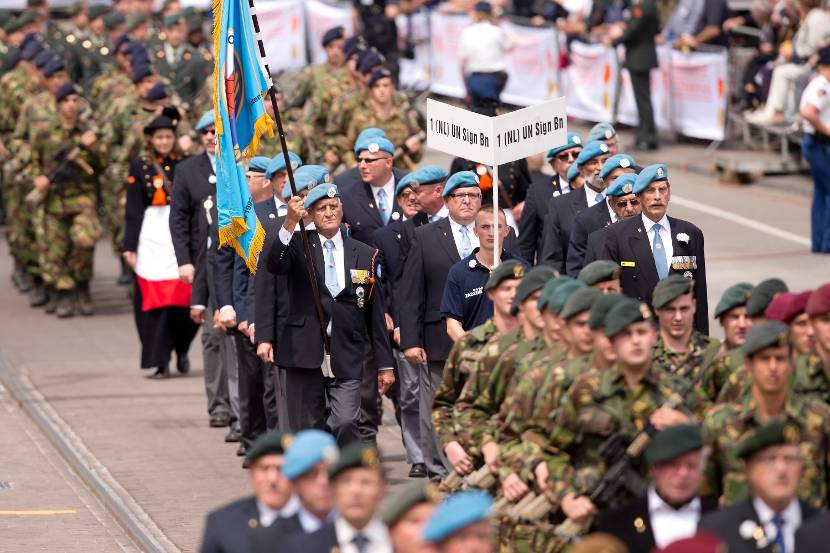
(240, 85)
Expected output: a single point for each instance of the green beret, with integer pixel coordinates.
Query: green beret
(275, 442)
(562, 294)
(601, 270)
(96, 11)
(550, 289)
(135, 20)
(407, 497)
(734, 296)
(354, 456)
(172, 19)
(24, 19)
(35, 3)
(581, 300)
(626, 312)
(766, 335)
(533, 280)
(775, 432)
(508, 269)
(601, 307)
(670, 288)
(761, 295)
(672, 442)
(113, 20)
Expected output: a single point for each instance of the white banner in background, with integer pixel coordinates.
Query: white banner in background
(591, 82)
(321, 17)
(533, 65)
(282, 25)
(446, 47)
(698, 93)
(415, 73)
(660, 97)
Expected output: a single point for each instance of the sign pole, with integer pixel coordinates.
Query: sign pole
(497, 249)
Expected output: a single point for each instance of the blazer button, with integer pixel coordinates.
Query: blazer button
(334, 300)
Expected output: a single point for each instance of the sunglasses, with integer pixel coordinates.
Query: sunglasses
(206, 132)
(566, 156)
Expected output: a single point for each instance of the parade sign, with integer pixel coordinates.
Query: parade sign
(531, 130)
(460, 132)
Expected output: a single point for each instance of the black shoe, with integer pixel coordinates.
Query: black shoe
(246, 463)
(65, 307)
(84, 299)
(38, 296)
(219, 420)
(51, 300)
(126, 276)
(418, 470)
(232, 437)
(21, 281)
(183, 365)
(643, 146)
(242, 450)
(161, 373)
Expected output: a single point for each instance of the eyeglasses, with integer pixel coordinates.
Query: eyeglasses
(208, 131)
(566, 156)
(623, 203)
(368, 160)
(461, 196)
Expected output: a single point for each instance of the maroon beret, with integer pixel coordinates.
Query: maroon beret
(702, 542)
(787, 306)
(819, 302)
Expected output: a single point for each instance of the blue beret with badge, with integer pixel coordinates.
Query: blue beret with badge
(308, 176)
(335, 33)
(574, 141)
(277, 164)
(650, 174)
(308, 448)
(370, 131)
(602, 131)
(352, 46)
(206, 120)
(622, 185)
(321, 192)
(619, 161)
(430, 174)
(456, 512)
(462, 179)
(258, 164)
(374, 144)
(31, 50)
(591, 150)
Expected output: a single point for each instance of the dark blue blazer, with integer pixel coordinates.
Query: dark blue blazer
(235, 528)
(589, 220)
(268, 302)
(812, 536)
(388, 241)
(596, 244)
(230, 276)
(562, 210)
(192, 178)
(539, 194)
(351, 177)
(323, 540)
(361, 213)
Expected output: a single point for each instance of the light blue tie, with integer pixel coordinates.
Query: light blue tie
(383, 206)
(331, 269)
(599, 197)
(433, 218)
(778, 521)
(466, 245)
(659, 253)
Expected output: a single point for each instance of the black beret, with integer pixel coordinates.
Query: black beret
(581, 300)
(353, 45)
(141, 71)
(65, 90)
(775, 432)
(53, 67)
(379, 74)
(672, 442)
(671, 287)
(534, 280)
(766, 335)
(158, 92)
(275, 442)
(824, 56)
(601, 307)
(160, 122)
(335, 33)
(761, 295)
(734, 296)
(601, 270)
(626, 312)
(407, 497)
(353, 456)
(368, 60)
(508, 269)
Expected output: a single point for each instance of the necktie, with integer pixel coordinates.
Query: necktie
(598, 198)
(659, 254)
(383, 206)
(433, 218)
(466, 245)
(331, 270)
(361, 542)
(778, 521)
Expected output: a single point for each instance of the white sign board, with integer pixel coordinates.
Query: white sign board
(460, 132)
(531, 130)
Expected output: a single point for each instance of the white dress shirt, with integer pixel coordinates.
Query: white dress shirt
(592, 197)
(375, 532)
(309, 522)
(669, 524)
(791, 516)
(267, 515)
(611, 213)
(442, 213)
(665, 235)
(282, 207)
(456, 235)
(389, 188)
(564, 185)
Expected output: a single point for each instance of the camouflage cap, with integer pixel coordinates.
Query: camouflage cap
(670, 288)
(601, 307)
(626, 312)
(533, 280)
(508, 269)
(766, 335)
(762, 294)
(407, 497)
(734, 296)
(356, 455)
(275, 442)
(775, 432)
(672, 442)
(601, 270)
(580, 301)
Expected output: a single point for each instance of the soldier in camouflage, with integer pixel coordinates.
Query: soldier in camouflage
(179, 63)
(769, 363)
(319, 76)
(730, 312)
(817, 366)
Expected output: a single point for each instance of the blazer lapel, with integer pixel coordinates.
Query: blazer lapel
(641, 250)
(371, 206)
(578, 201)
(448, 240)
(319, 262)
(349, 263)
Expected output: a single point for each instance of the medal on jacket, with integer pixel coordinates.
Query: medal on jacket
(360, 292)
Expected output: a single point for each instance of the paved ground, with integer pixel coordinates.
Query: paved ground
(150, 439)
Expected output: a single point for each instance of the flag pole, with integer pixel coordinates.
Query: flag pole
(309, 263)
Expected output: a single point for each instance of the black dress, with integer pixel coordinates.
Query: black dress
(161, 302)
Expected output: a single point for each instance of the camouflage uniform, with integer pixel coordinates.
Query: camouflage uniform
(186, 68)
(318, 107)
(702, 354)
(311, 81)
(728, 424)
(398, 125)
(111, 84)
(727, 362)
(809, 380)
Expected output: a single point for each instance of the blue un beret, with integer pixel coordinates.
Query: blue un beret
(601, 131)
(573, 171)
(619, 161)
(307, 176)
(456, 512)
(309, 448)
(622, 185)
(591, 150)
(258, 164)
(650, 174)
(462, 179)
(374, 144)
(574, 141)
(206, 120)
(319, 193)
(65, 90)
(430, 174)
(335, 33)
(277, 164)
(53, 67)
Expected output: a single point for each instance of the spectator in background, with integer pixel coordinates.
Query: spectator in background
(483, 64)
(696, 22)
(376, 21)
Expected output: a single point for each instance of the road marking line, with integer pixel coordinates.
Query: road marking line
(39, 512)
(741, 220)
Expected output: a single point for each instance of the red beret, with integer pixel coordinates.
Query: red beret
(701, 542)
(819, 302)
(787, 306)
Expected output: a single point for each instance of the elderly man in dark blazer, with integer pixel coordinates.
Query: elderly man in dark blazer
(650, 247)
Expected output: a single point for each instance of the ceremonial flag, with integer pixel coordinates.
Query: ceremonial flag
(240, 84)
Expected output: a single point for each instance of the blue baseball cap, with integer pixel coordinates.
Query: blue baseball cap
(374, 144)
(429, 174)
(622, 185)
(319, 193)
(456, 512)
(601, 131)
(308, 176)
(206, 120)
(650, 174)
(619, 161)
(308, 448)
(462, 179)
(574, 141)
(277, 164)
(258, 164)
(590, 151)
